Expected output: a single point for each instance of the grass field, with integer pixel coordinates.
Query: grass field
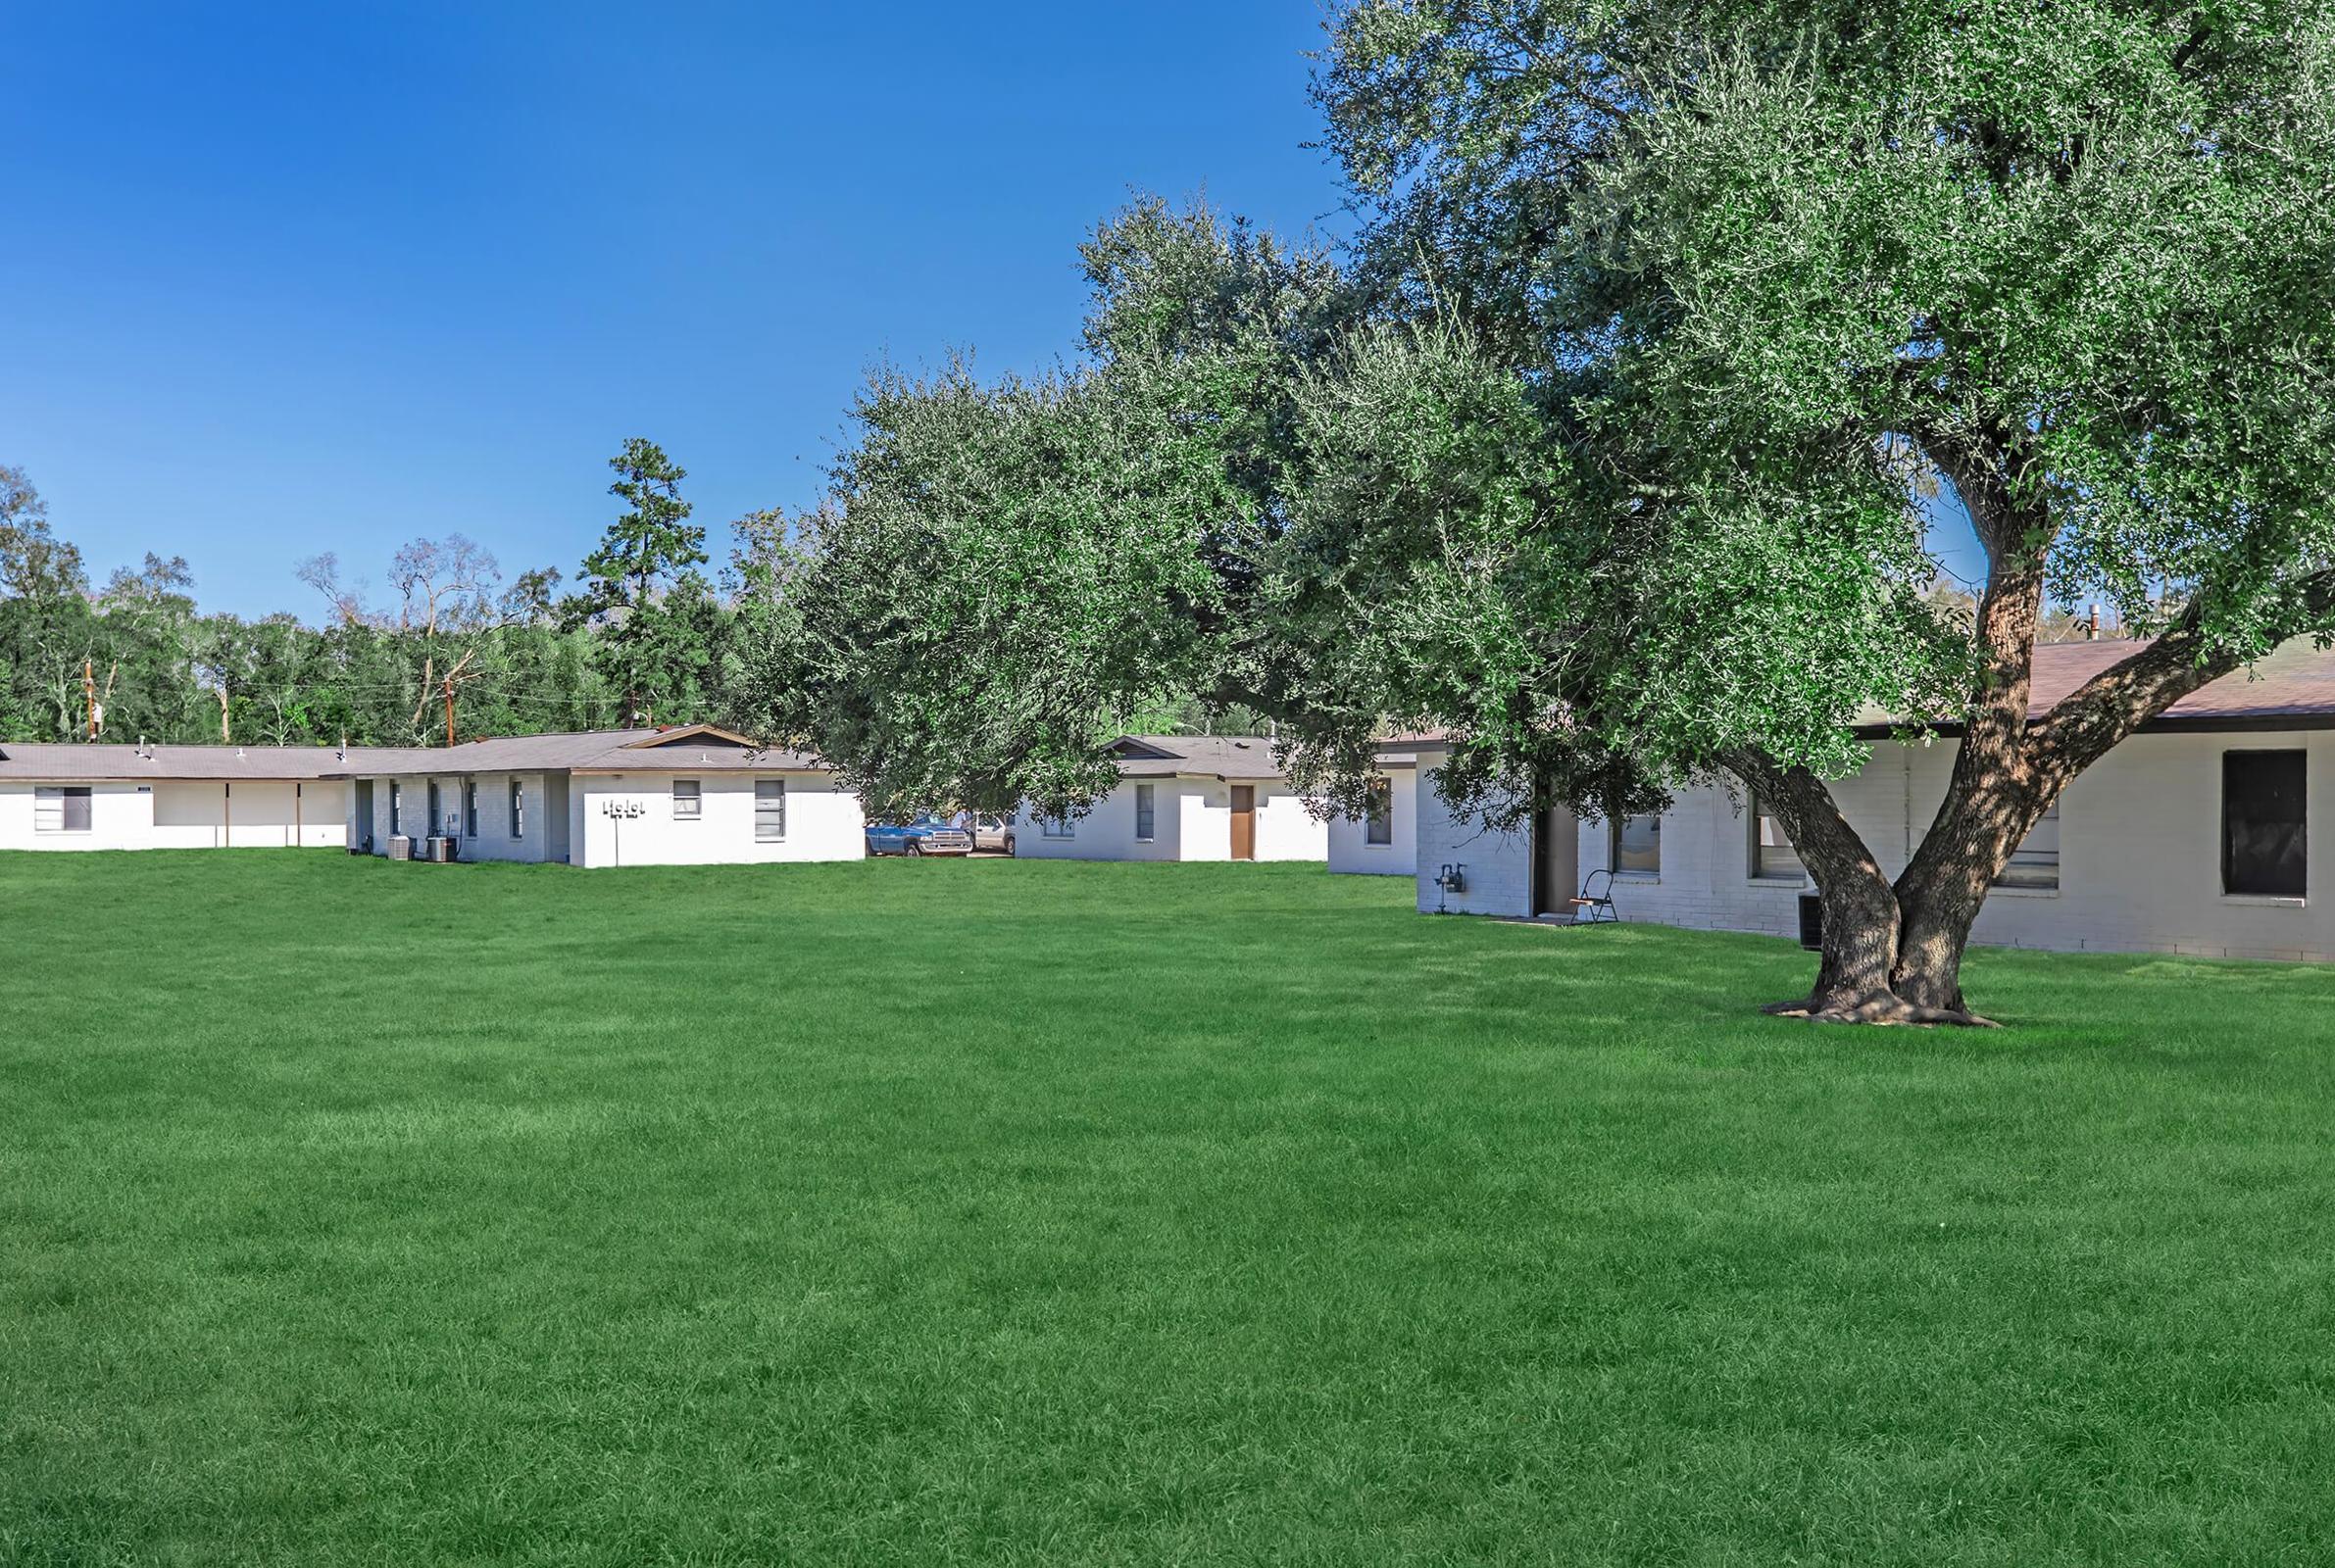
(924, 1212)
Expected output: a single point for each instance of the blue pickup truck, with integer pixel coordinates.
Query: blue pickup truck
(924, 835)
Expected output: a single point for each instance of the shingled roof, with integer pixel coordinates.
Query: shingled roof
(1235, 758)
(2294, 688)
(694, 748)
(689, 748)
(107, 764)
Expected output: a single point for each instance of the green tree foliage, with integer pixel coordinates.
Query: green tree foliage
(1786, 265)
(1610, 452)
(373, 674)
(1007, 576)
(656, 613)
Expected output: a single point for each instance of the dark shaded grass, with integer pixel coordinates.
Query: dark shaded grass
(1015, 1211)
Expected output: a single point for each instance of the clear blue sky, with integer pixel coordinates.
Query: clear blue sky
(328, 277)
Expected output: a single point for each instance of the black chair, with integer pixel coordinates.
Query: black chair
(1596, 901)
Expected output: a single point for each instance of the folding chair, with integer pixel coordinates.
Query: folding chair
(1596, 901)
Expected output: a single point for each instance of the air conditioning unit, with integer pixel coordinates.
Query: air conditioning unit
(1811, 922)
(442, 850)
(401, 848)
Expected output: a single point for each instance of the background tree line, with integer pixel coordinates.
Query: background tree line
(642, 639)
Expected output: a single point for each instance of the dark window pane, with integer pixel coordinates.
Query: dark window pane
(1638, 845)
(1381, 828)
(2035, 863)
(1772, 857)
(2263, 838)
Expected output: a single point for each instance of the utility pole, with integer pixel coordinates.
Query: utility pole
(449, 710)
(89, 686)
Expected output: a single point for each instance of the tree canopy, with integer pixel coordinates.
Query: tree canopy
(519, 659)
(1610, 447)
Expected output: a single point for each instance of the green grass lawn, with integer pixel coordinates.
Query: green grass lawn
(924, 1212)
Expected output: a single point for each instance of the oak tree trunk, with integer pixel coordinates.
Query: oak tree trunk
(1861, 919)
(1893, 952)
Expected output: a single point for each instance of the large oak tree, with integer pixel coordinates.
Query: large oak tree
(1612, 449)
(1790, 264)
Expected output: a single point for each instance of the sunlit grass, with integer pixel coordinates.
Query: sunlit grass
(1019, 1211)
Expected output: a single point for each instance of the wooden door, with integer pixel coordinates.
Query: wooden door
(1244, 821)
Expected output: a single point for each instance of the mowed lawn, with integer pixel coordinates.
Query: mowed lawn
(927, 1213)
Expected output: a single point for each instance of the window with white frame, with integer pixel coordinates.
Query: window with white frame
(518, 812)
(397, 808)
(1637, 846)
(769, 811)
(1054, 827)
(61, 809)
(1378, 815)
(688, 805)
(1772, 858)
(470, 808)
(1147, 818)
(2035, 863)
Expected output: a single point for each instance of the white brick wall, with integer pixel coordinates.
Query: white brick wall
(1496, 866)
(2140, 855)
(1192, 821)
(822, 821)
(492, 841)
(1350, 849)
(190, 814)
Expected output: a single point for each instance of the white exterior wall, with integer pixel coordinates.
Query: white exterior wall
(187, 814)
(1498, 866)
(121, 818)
(1192, 821)
(822, 821)
(494, 840)
(1203, 832)
(1108, 831)
(1286, 827)
(1350, 849)
(2140, 855)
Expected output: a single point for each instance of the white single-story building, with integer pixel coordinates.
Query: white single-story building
(1384, 840)
(1184, 798)
(2192, 837)
(691, 795)
(101, 796)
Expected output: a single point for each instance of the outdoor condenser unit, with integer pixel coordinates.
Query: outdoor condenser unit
(401, 848)
(442, 850)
